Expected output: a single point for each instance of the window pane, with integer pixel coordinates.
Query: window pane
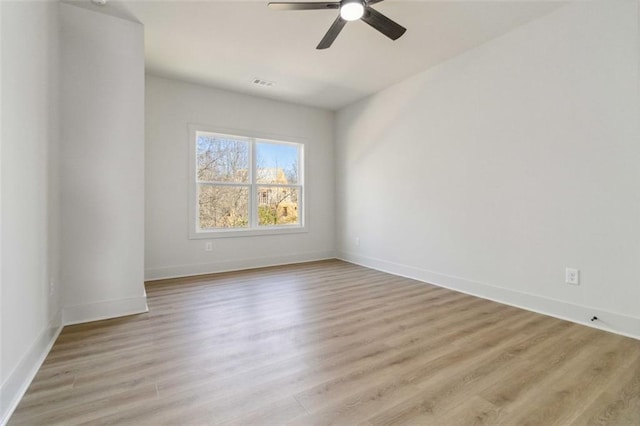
(221, 158)
(278, 205)
(223, 206)
(277, 163)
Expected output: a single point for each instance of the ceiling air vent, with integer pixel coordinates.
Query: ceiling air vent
(263, 83)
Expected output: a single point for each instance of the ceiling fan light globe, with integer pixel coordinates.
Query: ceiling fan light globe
(351, 11)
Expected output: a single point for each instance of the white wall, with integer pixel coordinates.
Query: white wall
(494, 171)
(170, 107)
(30, 218)
(102, 165)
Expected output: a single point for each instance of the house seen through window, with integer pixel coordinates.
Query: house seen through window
(246, 183)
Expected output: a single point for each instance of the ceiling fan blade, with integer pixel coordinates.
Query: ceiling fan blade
(333, 32)
(383, 24)
(370, 2)
(304, 6)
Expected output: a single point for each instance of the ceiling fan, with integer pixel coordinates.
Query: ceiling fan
(350, 10)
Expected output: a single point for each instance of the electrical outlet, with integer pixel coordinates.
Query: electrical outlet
(357, 241)
(52, 287)
(208, 246)
(572, 276)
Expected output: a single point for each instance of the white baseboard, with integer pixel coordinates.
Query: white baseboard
(17, 383)
(609, 321)
(104, 310)
(151, 274)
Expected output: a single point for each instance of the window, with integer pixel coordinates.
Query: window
(244, 185)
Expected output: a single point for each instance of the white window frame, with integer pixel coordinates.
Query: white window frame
(253, 229)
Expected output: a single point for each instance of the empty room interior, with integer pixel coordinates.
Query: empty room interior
(353, 212)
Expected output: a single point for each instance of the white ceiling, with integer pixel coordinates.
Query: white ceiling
(226, 44)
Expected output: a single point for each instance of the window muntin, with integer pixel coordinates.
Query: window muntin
(246, 184)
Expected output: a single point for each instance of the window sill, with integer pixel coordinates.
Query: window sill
(235, 233)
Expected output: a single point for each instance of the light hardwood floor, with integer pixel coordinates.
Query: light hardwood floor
(330, 342)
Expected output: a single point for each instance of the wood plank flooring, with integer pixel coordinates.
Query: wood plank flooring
(332, 343)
